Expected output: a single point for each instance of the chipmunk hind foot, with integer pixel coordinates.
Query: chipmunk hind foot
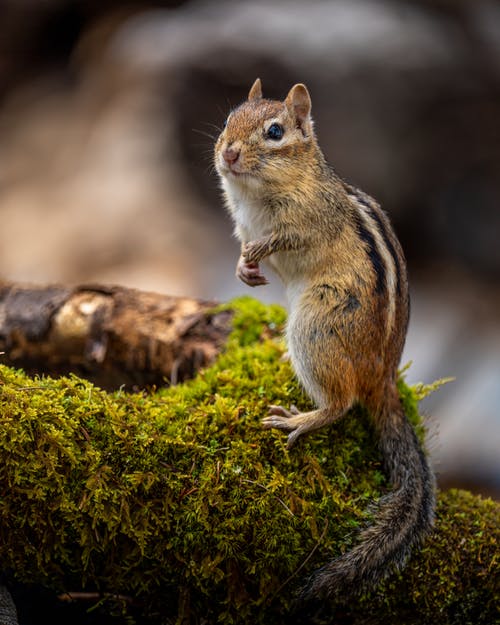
(299, 423)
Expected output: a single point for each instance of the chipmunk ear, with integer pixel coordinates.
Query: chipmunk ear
(255, 92)
(298, 102)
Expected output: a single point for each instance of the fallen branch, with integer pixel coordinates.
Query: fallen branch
(113, 336)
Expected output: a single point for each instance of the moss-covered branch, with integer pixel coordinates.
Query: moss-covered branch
(180, 500)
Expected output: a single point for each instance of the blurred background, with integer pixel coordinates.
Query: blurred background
(108, 113)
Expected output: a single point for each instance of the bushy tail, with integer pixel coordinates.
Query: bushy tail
(403, 517)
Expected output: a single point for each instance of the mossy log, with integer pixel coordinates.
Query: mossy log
(180, 501)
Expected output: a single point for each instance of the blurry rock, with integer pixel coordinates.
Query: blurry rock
(91, 186)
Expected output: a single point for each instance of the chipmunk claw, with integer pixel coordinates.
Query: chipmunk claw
(293, 436)
(278, 418)
(283, 412)
(291, 421)
(250, 273)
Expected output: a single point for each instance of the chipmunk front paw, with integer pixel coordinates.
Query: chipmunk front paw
(250, 273)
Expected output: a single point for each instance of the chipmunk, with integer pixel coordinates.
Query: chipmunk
(346, 282)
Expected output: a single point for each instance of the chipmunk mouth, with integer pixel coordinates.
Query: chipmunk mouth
(236, 172)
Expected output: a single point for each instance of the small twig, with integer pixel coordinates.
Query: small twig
(93, 596)
(302, 565)
(268, 491)
(187, 492)
(217, 472)
(85, 433)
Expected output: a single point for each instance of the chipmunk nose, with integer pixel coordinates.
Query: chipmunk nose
(231, 155)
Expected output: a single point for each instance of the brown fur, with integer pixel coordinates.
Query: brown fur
(346, 281)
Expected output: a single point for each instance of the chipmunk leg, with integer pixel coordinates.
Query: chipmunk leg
(298, 423)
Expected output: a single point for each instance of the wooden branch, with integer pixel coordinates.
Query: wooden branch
(113, 336)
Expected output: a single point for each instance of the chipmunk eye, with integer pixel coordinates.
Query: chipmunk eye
(224, 124)
(275, 132)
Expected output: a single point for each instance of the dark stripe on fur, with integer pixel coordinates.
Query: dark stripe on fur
(385, 235)
(373, 254)
(384, 232)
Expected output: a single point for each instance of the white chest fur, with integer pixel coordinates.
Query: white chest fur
(251, 219)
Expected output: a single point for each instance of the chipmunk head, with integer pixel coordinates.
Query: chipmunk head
(264, 141)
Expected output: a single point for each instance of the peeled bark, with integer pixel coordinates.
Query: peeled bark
(113, 336)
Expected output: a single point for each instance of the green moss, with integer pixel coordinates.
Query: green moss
(453, 580)
(181, 500)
